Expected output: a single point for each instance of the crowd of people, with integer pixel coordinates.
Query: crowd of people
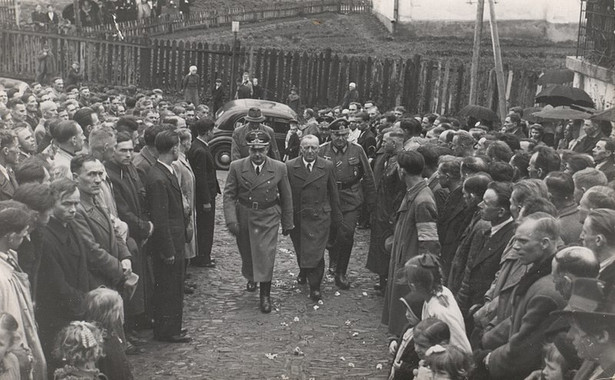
(494, 246)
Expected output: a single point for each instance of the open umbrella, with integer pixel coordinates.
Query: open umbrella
(561, 113)
(528, 114)
(479, 113)
(608, 115)
(560, 76)
(558, 95)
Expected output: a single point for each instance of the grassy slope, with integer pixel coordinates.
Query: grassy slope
(363, 35)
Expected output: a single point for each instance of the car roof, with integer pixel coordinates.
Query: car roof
(267, 107)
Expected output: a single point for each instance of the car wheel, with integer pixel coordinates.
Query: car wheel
(222, 156)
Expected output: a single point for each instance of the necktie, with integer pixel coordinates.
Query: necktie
(309, 167)
(258, 170)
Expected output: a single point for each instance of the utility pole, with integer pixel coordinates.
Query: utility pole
(234, 58)
(478, 32)
(497, 57)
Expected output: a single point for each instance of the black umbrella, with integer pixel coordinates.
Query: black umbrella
(608, 115)
(559, 95)
(560, 76)
(479, 113)
(561, 113)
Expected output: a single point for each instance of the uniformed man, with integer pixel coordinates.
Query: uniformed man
(355, 183)
(254, 122)
(257, 197)
(316, 206)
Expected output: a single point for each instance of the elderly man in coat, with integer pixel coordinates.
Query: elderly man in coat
(534, 298)
(316, 205)
(256, 198)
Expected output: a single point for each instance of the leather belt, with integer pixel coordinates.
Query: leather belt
(258, 205)
(347, 185)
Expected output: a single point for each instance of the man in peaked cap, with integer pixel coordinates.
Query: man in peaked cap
(355, 183)
(254, 122)
(257, 197)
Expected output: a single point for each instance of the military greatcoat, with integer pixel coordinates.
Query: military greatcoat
(316, 205)
(258, 203)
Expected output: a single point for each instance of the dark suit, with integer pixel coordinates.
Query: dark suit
(451, 223)
(129, 194)
(482, 265)
(218, 97)
(316, 205)
(164, 200)
(7, 185)
(50, 20)
(144, 161)
(367, 140)
(63, 281)
(608, 168)
(207, 188)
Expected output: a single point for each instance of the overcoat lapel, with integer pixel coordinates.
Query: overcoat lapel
(318, 170)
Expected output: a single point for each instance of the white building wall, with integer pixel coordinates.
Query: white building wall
(552, 11)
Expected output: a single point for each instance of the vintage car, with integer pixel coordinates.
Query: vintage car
(232, 115)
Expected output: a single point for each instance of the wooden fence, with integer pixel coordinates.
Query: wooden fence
(421, 85)
(171, 23)
(7, 12)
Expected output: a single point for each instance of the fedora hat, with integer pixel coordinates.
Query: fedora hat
(255, 115)
(590, 298)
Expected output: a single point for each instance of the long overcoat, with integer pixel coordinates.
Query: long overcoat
(316, 205)
(415, 234)
(390, 191)
(258, 227)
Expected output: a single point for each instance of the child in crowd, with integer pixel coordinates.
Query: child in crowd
(556, 366)
(79, 346)
(446, 362)
(413, 344)
(423, 275)
(9, 364)
(105, 307)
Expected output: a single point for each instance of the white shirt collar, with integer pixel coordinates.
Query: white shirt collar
(496, 228)
(606, 263)
(169, 167)
(204, 142)
(260, 167)
(306, 163)
(4, 171)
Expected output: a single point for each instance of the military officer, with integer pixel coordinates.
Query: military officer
(254, 122)
(355, 183)
(316, 206)
(256, 198)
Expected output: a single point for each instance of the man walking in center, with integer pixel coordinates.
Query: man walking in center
(257, 197)
(355, 183)
(316, 206)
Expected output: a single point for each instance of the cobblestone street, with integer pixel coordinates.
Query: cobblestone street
(342, 338)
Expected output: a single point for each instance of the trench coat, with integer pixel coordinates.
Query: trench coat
(187, 181)
(415, 234)
(316, 205)
(454, 218)
(258, 228)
